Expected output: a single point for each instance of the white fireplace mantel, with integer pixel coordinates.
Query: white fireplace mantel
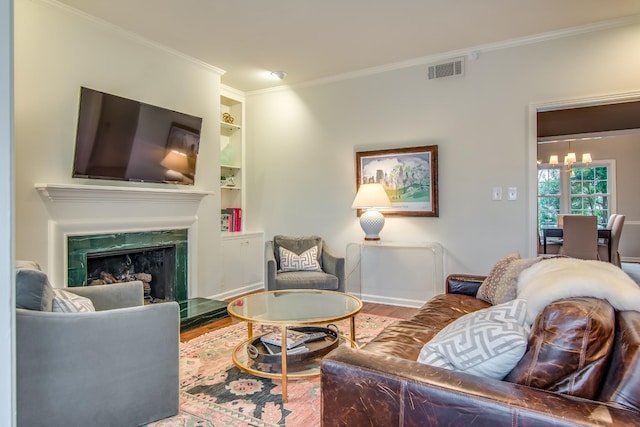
(74, 198)
(110, 194)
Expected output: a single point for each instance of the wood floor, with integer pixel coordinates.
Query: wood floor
(369, 308)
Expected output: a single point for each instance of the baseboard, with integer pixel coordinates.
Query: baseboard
(239, 291)
(630, 259)
(401, 302)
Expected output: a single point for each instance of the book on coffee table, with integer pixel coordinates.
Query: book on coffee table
(276, 349)
(294, 338)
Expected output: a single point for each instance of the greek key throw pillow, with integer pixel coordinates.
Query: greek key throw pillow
(306, 261)
(67, 302)
(488, 342)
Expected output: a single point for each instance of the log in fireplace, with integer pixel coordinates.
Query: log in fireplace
(154, 267)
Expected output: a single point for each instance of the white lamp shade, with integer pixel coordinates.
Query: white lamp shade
(176, 161)
(586, 158)
(553, 160)
(371, 196)
(570, 159)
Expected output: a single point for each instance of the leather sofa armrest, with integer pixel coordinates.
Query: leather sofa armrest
(365, 388)
(466, 284)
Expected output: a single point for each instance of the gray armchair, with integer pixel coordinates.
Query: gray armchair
(330, 276)
(117, 366)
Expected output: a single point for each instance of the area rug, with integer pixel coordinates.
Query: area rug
(213, 392)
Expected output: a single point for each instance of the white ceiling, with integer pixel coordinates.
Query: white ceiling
(313, 40)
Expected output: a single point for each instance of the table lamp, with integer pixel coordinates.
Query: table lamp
(177, 164)
(371, 197)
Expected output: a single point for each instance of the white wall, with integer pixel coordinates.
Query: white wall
(301, 142)
(7, 277)
(57, 51)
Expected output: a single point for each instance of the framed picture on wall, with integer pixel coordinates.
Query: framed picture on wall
(409, 176)
(183, 139)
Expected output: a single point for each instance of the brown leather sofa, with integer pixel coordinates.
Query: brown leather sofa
(582, 367)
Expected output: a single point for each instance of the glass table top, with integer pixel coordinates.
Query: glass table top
(294, 307)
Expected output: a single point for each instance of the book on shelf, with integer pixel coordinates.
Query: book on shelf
(231, 219)
(294, 338)
(226, 221)
(237, 218)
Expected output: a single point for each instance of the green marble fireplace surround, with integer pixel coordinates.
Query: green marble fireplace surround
(194, 312)
(79, 247)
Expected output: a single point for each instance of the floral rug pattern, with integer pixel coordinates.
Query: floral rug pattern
(213, 392)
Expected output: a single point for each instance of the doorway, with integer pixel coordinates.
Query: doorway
(594, 125)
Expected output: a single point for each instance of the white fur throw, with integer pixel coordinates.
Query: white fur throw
(559, 278)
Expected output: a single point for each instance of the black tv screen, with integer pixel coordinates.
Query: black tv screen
(121, 139)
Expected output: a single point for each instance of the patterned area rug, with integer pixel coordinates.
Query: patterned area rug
(213, 392)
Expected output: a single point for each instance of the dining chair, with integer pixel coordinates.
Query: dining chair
(604, 241)
(580, 237)
(561, 218)
(616, 231)
(553, 245)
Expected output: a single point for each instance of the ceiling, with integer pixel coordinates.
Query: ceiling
(313, 40)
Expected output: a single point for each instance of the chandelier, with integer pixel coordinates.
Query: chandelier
(570, 159)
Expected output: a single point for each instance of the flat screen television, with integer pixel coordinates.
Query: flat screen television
(122, 139)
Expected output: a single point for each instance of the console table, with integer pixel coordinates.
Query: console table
(397, 273)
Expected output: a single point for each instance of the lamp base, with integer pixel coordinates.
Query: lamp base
(371, 222)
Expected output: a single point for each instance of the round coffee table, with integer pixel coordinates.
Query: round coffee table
(288, 308)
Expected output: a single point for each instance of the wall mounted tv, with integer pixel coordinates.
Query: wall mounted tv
(121, 139)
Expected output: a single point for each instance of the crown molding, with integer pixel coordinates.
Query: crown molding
(425, 60)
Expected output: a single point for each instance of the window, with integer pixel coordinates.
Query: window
(583, 191)
(590, 192)
(548, 196)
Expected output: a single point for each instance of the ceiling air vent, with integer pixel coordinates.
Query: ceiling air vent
(450, 68)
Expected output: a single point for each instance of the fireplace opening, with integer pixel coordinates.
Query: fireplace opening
(155, 267)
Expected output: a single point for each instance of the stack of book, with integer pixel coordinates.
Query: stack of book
(273, 341)
(231, 219)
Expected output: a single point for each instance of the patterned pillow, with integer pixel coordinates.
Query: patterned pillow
(502, 283)
(296, 245)
(306, 261)
(488, 342)
(67, 302)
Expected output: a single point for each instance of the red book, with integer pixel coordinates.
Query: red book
(232, 218)
(238, 219)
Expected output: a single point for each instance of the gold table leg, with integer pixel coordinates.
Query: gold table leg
(353, 332)
(284, 364)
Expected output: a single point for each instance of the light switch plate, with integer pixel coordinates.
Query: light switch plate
(496, 194)
(512, 193)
